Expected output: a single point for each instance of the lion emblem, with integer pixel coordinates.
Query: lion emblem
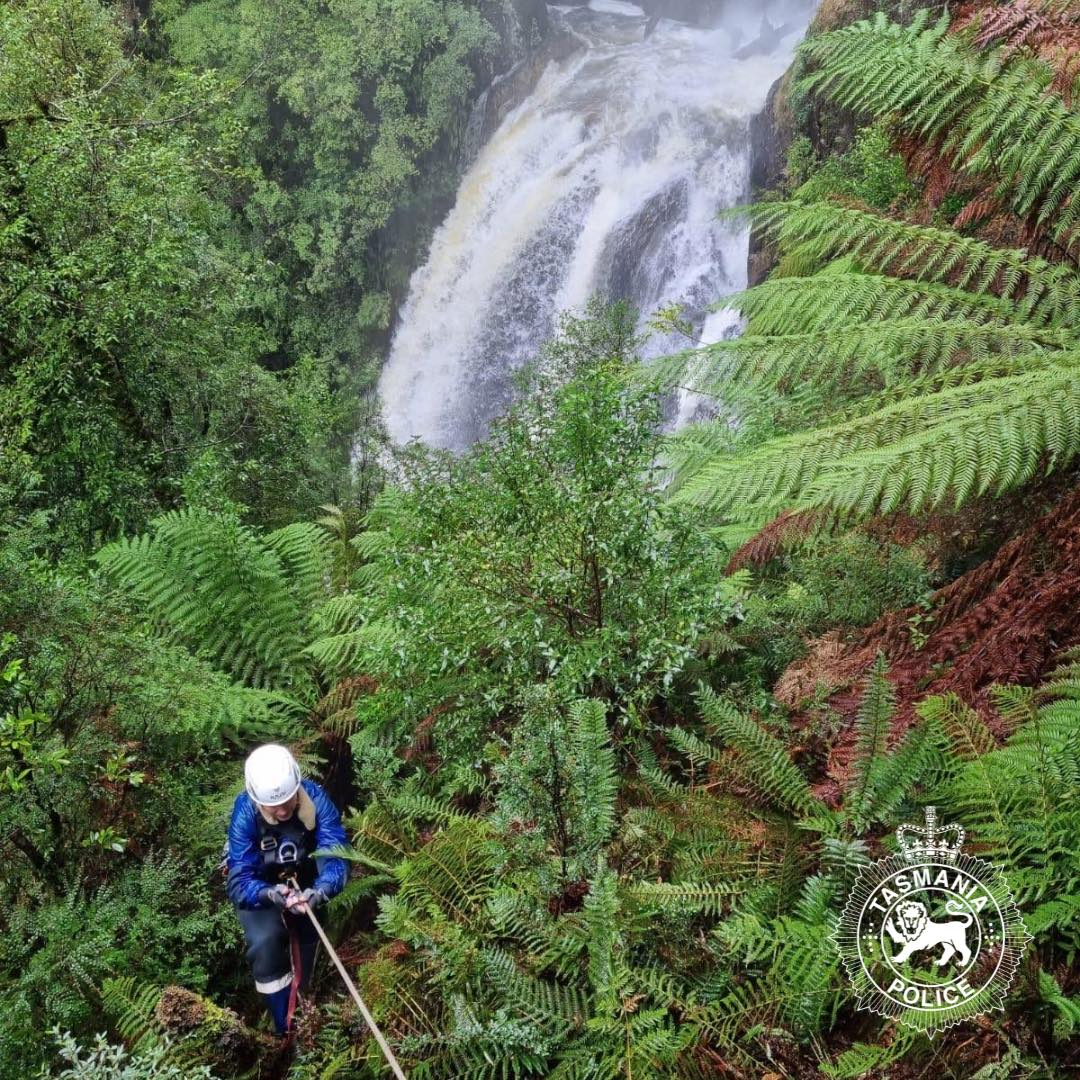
(917, 931)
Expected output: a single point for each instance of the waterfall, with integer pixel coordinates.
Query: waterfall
(607, 179)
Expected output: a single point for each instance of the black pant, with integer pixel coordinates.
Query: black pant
(268, 946)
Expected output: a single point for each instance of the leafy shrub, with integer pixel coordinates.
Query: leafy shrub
(871, 171)
(547, 553)
(155, 921)
(103, 1061)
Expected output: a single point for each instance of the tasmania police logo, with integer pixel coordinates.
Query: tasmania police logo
(930, 936)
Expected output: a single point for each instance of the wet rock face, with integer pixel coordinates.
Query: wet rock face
(522, 25)
(625, 264)
(514, 85)
(771, 133)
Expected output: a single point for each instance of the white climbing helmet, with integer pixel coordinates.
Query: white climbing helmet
(271, 775)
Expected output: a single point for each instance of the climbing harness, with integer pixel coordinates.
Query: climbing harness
(350, 985)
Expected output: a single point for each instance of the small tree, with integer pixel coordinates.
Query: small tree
(546, 554)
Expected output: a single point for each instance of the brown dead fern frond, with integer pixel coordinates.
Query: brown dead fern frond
(1049, 31)
(788, 529)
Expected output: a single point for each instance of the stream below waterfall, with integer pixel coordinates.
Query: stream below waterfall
(605, 179)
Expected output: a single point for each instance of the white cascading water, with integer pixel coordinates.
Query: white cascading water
(605, 180)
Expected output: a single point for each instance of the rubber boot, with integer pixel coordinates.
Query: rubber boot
(278, 1004)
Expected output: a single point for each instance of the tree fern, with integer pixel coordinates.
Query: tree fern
(937, 366)
(224, 591)
(306, 559)
(844, 294)
(355, 651)
(989, 119)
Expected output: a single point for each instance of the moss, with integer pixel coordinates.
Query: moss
(221, 1038)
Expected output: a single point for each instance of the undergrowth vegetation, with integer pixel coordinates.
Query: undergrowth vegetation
(616, 716)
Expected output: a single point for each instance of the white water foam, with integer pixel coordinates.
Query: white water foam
(606, 179)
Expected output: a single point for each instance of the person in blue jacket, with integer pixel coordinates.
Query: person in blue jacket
(278, 821)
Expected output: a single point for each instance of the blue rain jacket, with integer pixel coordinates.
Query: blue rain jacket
(244, 859)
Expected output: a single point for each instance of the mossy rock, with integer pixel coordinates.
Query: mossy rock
(217, 1035)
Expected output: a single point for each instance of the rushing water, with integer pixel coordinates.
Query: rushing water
(605, 179)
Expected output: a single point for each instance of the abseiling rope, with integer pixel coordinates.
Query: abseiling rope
(383, 1045)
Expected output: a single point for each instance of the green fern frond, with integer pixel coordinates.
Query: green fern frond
(892, 777)
(915, 455)
(306, 555)
(840, 295)
(356, 651)
(867, 1060)
(706, 898)
(543, 1002)
(1067, 1009)
(454, 871)
(855, 358)
(967, 374)
(594, 759)
(764, 760)
(224, 591)
(337, 615)
(1045, 294)
(132, 1005)
(872, 727)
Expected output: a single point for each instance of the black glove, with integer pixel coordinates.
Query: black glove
(314, 898)
(276, 895)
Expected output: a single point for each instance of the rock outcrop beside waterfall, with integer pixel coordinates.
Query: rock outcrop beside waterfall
(523, 27)
(829, 127)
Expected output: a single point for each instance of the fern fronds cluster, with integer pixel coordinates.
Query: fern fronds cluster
(905, 366)
(988, 118)
(238, 598)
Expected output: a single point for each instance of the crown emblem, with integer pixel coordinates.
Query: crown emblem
(930, 842)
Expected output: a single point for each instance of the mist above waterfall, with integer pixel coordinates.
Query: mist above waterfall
(606, 179)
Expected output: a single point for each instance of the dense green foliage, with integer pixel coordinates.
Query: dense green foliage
(336, 106)
(937, 366)
(206, 218)
(592, 837)
(130, 370)
(105, 735)
(545, 553)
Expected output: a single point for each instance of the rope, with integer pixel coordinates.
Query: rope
(368, 1018)
(294, 990)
